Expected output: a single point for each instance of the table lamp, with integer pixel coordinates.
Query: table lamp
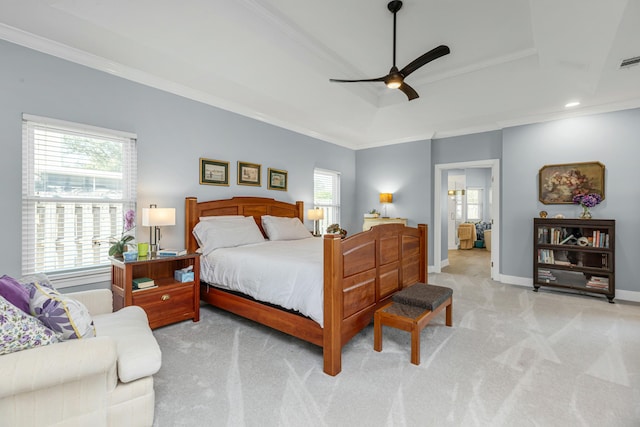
(155, 217)
(315, 215)
(385, 199)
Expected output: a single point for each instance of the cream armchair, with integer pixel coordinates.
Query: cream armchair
(101, 381)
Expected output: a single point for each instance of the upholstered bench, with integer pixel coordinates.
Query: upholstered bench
(410, 310)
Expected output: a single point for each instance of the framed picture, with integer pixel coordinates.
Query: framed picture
(214, 172)
(248, 174)
(559, 183)
(277, 179)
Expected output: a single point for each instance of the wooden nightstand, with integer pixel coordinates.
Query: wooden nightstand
(171, 301)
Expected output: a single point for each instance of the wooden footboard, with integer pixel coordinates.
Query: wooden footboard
(360, 274)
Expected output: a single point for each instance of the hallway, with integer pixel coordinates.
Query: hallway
(474, 262)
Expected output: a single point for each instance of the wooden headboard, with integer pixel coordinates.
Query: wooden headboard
(246, 206)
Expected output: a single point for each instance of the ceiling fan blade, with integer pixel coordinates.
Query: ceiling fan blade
(433, 54)
(378, 79)
(409, 91)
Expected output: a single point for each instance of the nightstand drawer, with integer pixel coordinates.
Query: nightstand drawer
(166, 304)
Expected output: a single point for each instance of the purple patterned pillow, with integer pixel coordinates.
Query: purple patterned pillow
(19, 331)
(15, 293)
(60, 313)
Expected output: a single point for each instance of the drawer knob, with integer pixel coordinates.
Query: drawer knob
(165, 297)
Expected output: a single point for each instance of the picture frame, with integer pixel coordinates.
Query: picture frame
(558, 184)
(214, 172)
(249, 174)
(277, 179)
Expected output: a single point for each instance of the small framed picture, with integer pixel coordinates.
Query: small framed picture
(214, 172)
(277, 180)
(248, 174)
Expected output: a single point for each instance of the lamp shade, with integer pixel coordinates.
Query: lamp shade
(155, 217)
(386, 197)
(315, 214)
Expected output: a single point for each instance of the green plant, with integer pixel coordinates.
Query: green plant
(373, 211)
(119, 246)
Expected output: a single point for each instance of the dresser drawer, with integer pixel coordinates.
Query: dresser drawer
(167, 304)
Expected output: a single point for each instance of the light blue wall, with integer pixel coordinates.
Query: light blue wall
(402, 169)
(173, 133)
(608, 138)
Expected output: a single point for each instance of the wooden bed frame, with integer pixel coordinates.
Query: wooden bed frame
(360, 274)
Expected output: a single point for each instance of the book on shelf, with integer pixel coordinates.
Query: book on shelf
(143, 283)
(171, 252)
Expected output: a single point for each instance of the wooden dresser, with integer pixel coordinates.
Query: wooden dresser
(370, 222)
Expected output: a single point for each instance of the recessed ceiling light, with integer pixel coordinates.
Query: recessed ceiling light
(572, 104)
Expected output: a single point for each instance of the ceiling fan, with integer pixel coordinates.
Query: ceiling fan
(395, 78)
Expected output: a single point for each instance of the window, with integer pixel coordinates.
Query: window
(326, 195)
(474, 204)
(77, 183)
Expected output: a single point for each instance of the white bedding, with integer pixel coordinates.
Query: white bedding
(286, 273)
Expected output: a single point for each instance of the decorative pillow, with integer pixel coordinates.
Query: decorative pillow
(19, 331)
(14, 292)
(60, 313)
(280, 228)
(228, 233)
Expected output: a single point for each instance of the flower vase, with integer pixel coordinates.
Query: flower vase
(585, 214)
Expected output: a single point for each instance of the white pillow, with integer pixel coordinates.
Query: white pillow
(227, 233)
(281, 228)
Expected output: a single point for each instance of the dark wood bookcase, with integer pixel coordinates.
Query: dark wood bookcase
(575, 254)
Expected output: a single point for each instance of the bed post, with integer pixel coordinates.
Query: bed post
(300, 208)
(190, 220)
(333, 308)
(424, 255)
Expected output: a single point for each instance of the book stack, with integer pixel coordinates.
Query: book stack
(141, 283)
(545, 256)
(545, 275)
(598, 282)
(171, 252)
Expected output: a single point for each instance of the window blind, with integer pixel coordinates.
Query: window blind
(77, 183)
(326, 195)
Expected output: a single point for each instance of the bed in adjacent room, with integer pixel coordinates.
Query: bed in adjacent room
(259, 262)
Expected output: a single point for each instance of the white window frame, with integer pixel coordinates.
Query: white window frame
(331, 208)
(479, 205)
(36, 254)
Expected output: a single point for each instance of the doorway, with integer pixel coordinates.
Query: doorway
(441, 218)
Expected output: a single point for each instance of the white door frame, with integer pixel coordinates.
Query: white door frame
(494, 164)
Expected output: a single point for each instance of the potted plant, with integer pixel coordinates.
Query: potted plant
(120, 245)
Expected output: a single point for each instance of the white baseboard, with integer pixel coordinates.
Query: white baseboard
(528, 282)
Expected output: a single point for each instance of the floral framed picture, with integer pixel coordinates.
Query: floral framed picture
(277, 179)
(249, 174)
(214, 172)
(558, 184)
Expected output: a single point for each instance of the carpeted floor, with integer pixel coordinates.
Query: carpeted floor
(512, 358)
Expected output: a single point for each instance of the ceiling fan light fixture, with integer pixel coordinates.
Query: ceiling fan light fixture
(393, 80)
(394, 84)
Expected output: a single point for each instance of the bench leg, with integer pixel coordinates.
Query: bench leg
(377, 332)
(415, 345)
(450, 314)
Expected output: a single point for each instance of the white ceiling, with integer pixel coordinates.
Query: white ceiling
(512, 61)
